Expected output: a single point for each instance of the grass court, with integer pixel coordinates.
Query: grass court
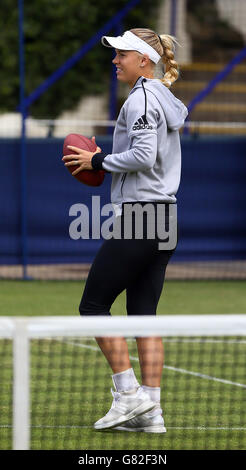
(203, 385)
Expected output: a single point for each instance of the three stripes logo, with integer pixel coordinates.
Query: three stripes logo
(141, 123)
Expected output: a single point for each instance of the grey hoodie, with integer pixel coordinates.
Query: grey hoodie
(146, 157)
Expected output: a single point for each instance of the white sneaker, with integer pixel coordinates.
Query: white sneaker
(148, 422)
(125, 406)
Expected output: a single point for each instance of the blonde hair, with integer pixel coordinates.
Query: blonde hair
(165, 46)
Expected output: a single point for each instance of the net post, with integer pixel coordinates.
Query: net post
(21, 430)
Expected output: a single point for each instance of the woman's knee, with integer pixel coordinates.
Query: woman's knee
(93, 308)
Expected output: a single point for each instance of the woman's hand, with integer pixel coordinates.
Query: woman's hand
(81, 158)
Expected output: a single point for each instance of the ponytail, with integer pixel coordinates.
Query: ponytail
(171, 66)
(165, 46)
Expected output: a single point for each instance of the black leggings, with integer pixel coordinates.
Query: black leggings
(135, 265)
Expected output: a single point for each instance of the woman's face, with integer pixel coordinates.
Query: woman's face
(128, 65)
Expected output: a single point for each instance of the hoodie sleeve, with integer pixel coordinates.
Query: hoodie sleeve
(141, 117)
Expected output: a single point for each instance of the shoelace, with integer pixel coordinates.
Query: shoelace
(116, 397)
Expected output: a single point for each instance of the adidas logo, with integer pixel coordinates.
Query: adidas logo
(141, 123)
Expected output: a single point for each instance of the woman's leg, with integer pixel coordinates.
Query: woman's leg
(116, 352)
(142, 299)
(151, 360)
(117, 264)
(151, 357)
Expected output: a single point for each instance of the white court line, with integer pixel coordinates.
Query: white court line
(204, 376)
(192, 428)
(176, 369)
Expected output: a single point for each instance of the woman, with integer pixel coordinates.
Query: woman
(145, 165)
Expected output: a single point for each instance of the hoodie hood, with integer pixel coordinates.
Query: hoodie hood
(174, 110)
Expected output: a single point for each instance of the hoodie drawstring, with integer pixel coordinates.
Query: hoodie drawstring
(145, 109)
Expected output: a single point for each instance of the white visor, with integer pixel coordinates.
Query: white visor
(131, 42)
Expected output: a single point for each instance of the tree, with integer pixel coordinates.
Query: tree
(54, 30)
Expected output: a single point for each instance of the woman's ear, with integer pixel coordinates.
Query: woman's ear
(145, 60)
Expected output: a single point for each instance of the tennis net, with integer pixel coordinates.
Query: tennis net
(61, 382)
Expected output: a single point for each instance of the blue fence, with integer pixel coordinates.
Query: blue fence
(211, 202)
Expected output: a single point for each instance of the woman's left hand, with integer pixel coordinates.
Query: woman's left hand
(81, 158)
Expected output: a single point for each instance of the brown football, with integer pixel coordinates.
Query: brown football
(89, 177)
